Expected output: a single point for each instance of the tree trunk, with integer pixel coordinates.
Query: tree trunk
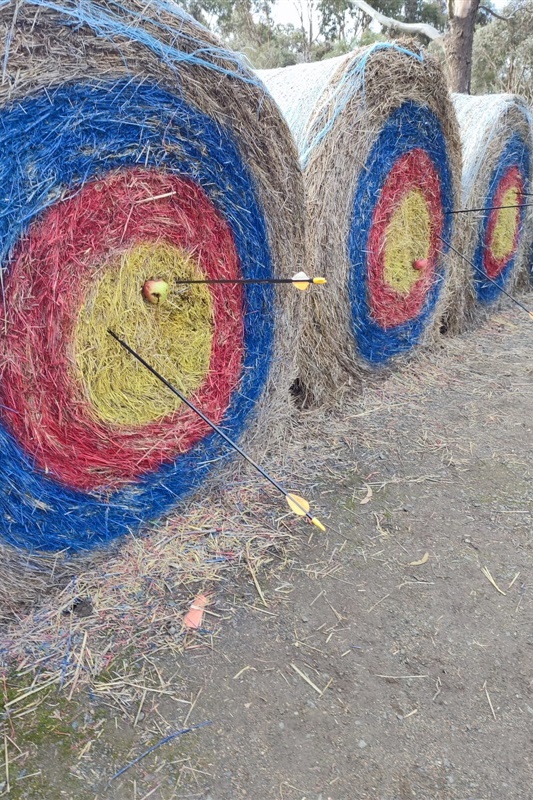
(458, 43)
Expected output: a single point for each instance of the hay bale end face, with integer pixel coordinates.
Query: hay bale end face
(496, 135)
(135, 151)
(380, 150)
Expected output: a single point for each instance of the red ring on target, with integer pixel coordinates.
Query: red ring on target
(511, 180)
(412, 171)
(48, 280)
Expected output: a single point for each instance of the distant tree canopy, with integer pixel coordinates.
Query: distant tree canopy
(503, 48)
(248, 25)
(503, 52)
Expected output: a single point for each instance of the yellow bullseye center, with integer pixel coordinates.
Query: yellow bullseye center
(507, 221)
(175, 337)
(407, 239)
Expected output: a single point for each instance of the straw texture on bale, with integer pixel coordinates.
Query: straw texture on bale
(133, 147)
(496, 137)
(380, 150)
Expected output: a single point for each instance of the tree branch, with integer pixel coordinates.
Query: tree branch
(494, 14)
(405, 27)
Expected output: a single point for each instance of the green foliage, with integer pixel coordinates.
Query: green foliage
(484, 15)
(369, 37)
(429, 11)
(196, 10)
(503, 52)
(281, 46)
(340, 21)
(435, 13)
(248, 26)
(335, 17)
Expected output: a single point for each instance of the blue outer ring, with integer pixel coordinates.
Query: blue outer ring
(515, 154)
(410, 126)
(59, 140)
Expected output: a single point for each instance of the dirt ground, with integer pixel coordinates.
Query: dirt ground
(389, 659)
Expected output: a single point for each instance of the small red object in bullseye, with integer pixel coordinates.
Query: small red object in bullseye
(155, 291)
(420, 263)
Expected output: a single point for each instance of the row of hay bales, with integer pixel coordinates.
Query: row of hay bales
(135, 147)
(390, 162)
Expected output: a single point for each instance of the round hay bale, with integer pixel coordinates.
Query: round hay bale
(380, 151)
(496, 138)
(134, 148)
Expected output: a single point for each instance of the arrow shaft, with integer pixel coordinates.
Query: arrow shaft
(209, 422)
(245, 280)
(485, 276)
(487, 208)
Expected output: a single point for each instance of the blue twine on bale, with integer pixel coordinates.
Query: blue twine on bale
(55, 141)
(516, 153)
(410, 126)
(131, 25)
(352, 81)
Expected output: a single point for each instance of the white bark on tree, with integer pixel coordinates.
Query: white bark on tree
(421, 28)
(457, 42)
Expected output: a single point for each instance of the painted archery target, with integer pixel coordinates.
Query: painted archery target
(397, 270)
(502, 227)
(495, 240)
(120, 421)
(380, 150)
(113, 186)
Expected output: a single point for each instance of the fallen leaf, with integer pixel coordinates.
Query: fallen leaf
(423, 560)
(368, 497)
(194, 617)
